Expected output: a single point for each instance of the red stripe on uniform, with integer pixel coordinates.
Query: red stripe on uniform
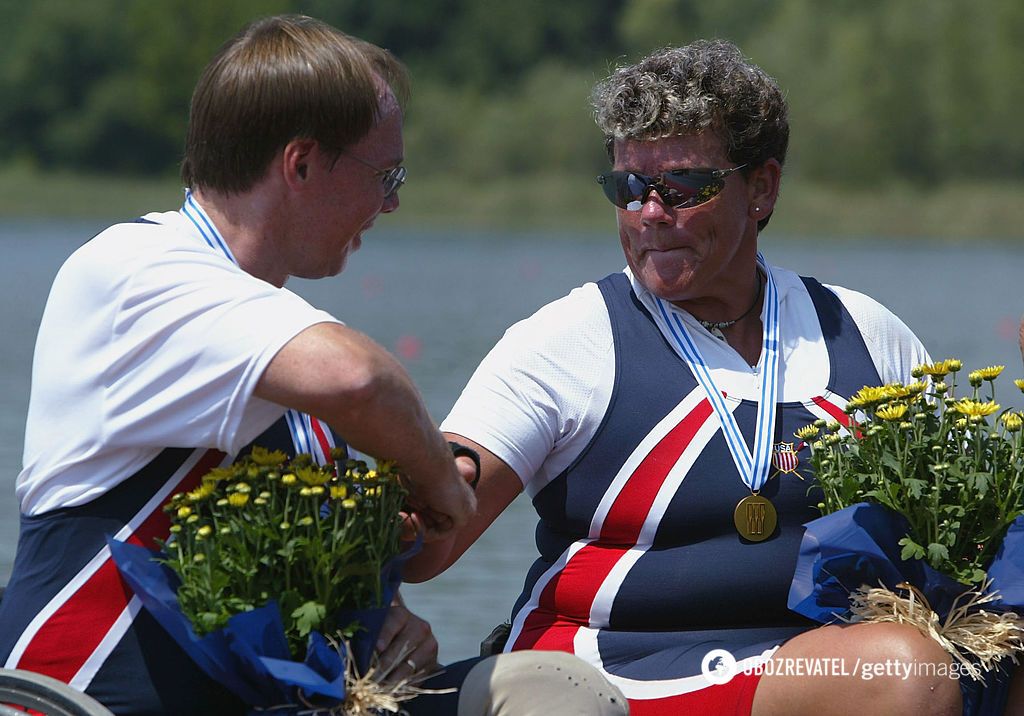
(733, 698)
(626, 517)
(568, 598)
(62, 645)
(834, 410)
(325, 445)
(547, 634)
(838, 413)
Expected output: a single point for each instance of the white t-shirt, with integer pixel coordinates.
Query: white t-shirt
(150, 339)
(538, 397)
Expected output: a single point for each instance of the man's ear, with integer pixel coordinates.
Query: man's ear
(296, 159)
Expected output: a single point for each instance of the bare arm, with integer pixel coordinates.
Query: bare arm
(498, 486)
(344, 378)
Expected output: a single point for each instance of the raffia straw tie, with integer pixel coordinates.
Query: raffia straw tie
(369, 694)
(967, 630)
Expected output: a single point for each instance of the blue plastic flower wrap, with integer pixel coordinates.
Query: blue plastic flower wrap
(250, 656)
(859, 545)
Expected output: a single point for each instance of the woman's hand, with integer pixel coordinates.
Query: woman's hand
(406, 645)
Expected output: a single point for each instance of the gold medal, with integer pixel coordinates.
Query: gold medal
(755, 518)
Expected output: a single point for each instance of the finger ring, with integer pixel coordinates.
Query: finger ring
(411, 664)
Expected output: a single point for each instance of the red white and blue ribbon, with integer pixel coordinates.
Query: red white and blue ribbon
(753, 466)
(309, 435)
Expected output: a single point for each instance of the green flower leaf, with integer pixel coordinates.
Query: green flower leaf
(915, 487)
(937, 554)
(308, 617)
(911, 549)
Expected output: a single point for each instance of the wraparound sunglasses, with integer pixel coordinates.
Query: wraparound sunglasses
(680, 188)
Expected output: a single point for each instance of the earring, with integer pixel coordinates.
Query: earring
(757, 208)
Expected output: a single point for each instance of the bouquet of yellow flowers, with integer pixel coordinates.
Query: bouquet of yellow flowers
(923, 493)
(314, 538)
(276, 579)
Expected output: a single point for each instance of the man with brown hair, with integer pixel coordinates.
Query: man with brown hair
(168, 345)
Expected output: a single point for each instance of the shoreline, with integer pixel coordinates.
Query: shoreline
(562, 202)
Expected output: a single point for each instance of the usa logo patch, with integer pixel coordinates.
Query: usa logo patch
(784, 457)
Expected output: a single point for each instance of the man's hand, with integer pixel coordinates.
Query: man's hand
(343, 377)
(440, 506)
(406, 645)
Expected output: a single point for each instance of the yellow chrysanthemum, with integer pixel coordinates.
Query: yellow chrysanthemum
(869, 395)
(238, 499)
(305, 521)
(916, 388)
(288, 479)
(992, 372)
(312, 475)
(205, 531)
(939, 369)
(184, 512)
(219, 474)
(893, 411)
(1020, 384)
(348, 504)
(202, 492)
(1013, 422)
(896, 391)
(807, 432)
(339, 492)
(198, 557)
(267, 458)
(975, 408)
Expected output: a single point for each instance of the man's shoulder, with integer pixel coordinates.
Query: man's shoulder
(119, 243)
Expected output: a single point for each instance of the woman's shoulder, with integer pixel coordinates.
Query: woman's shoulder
(579, 316)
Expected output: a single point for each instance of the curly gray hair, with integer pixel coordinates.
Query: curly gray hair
(707, 84)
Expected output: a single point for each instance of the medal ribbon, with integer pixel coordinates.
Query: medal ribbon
(753, 467)
(307, 436)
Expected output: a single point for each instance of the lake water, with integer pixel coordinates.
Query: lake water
(441, 300)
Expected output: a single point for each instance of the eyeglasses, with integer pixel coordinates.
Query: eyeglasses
(680, 188)
(391, 178)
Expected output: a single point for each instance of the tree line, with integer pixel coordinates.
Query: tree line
(918, 91)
